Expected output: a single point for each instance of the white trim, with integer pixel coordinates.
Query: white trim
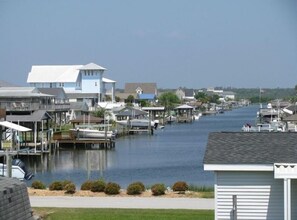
(285, 170)
(238, 167)
(287, 199)
(13, 126)
(216, 194)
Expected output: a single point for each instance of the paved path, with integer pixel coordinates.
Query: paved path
(121, 202)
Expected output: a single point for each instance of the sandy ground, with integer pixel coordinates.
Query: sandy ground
(168, 194)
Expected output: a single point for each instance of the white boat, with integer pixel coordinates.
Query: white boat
(170, 119)
(92, 133)
(197, 116)
(140, 123)
(18, 170)
(265, 127)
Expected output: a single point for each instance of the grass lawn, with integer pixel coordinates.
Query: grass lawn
(123, 214)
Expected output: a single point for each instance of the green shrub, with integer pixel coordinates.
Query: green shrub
(38, 185)
(180, 186)
(87, 185)
(70, 188)
(112, 188)
(158, 189)
(56, 185)
(134, 189)
(65, 182)
(98, 186)
(141, 185)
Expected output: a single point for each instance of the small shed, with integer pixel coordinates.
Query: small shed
(255, 174)
(156, 113)
(184, 113)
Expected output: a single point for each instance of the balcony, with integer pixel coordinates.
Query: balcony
(28, 106)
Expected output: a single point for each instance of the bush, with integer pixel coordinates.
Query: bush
(141, 185)
(38, 185)
(135, 188)
(70, 188)
(112, 188)
(98, 186)
(56, 185)
(65, 182)
(158, 189)
(180, 186)
(87, 185)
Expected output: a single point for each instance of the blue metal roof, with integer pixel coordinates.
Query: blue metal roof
(146, 96)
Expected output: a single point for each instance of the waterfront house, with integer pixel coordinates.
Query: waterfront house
(129, 113)
(140, 91)
(80, 81)
(185, 94)
(255, 174)
(26, 100)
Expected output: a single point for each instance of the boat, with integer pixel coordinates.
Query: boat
(197, 116)
(264, 127)
(18, 170)
(170, 119)
(92, 133)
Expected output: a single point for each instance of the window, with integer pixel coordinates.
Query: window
(95, 83)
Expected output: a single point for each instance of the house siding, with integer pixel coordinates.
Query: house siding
(259, 195)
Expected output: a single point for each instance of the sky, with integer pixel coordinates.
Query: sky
(174, 43)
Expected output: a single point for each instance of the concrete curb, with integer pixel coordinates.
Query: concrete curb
(122, 202)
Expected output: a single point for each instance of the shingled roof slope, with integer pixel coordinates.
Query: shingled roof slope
(251, 148)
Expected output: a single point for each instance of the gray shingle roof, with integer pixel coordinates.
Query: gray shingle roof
(146, 87)
(251, 148)
(38, 115)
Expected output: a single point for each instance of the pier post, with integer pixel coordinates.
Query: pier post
(8, 164)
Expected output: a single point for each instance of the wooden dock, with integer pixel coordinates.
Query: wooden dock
(59, 138)
(98, 143)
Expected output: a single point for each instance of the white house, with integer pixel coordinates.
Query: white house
(255, 174)
(75, 79)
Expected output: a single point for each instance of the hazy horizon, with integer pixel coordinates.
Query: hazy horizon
(193, 43)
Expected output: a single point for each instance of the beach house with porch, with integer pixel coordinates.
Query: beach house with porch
(255, 174)
(80, 82)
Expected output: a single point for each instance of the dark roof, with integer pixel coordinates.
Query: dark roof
(38, 115)
(131, 112)
(290, 118)
(189, 92)
(251, 148)
(82, 106)
(87, 119)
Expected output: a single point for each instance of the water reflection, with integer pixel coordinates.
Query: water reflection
(171, 154)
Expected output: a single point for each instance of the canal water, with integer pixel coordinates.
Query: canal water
(172, 154)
